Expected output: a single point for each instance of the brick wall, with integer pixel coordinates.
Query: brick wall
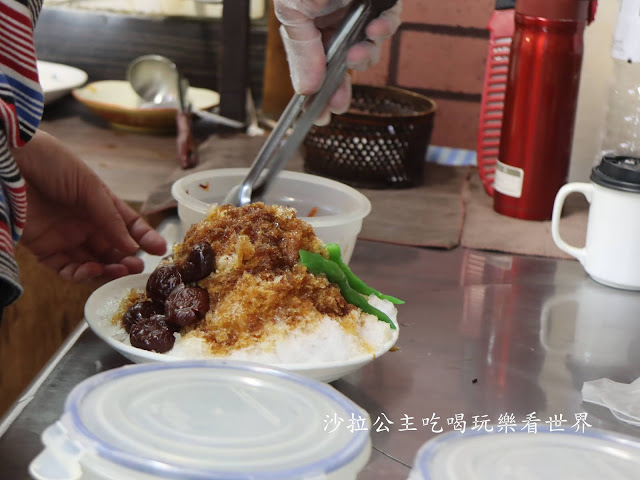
(440, 51)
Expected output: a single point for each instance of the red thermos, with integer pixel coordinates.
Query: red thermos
(540, 105)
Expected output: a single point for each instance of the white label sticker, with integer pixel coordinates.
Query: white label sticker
(508, 180)
(626, 39)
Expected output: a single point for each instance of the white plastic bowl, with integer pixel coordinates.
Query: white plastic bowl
(340, 209)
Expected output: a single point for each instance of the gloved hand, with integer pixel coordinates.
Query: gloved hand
(307, 25)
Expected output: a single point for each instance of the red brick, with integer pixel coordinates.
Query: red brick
(456, 124)
(442, 62)
(465, 13)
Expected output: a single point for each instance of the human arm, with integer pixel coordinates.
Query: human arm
(306, 27)
(75, 223)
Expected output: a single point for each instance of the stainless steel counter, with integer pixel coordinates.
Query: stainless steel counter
(481, 335)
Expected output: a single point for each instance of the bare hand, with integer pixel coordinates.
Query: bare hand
(75, 224)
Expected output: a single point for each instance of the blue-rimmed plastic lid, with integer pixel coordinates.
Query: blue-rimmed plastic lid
(205, 420)
(524, 455)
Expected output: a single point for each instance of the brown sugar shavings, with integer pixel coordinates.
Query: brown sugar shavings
(274, 237)
(267, 303)
(259, 286)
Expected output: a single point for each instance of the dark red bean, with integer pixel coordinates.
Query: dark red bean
(162, 281)
(139, 311)
(199, 264)
(186, 305)
(152, 334)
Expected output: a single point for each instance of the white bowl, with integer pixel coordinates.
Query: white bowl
(340, 208)
(104, 302)
(57, 79)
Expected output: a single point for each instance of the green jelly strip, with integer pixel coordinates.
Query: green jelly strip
(336, 256)
(317, 265)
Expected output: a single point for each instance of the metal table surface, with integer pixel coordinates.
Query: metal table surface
(484, 335)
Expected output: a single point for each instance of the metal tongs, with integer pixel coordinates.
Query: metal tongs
(303, 110)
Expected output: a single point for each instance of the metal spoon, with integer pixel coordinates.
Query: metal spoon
(155, 79)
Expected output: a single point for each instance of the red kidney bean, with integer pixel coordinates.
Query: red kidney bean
(152, 334)
(162, 281)
(140, 311)
(186, 305)
(199, 264)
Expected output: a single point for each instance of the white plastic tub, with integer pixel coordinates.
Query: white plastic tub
(521, 454)
(203, 420)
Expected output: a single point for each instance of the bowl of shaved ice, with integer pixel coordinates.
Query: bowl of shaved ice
(254, 284)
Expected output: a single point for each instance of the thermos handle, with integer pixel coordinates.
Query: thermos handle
(578, 187)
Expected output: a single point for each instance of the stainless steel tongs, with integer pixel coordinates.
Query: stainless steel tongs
(303, 110)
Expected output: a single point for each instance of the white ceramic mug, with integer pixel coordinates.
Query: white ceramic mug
(611, 254)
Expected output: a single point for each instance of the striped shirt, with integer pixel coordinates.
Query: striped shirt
(21, 104)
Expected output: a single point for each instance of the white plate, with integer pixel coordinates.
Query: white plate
(57, 80)
(103, 303)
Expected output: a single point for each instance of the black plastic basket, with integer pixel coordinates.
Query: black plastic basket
(381, 142)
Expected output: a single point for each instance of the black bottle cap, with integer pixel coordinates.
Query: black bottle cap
(618, 172)
(505, 4)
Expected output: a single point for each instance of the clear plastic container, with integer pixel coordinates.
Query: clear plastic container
(204, 420)
(525, 455)
(621, 135)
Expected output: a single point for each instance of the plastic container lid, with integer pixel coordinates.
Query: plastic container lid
(204, 420)
(505, 4)
(556, 9)
(557, 455)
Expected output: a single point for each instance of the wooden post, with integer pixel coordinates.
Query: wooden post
(234, 73)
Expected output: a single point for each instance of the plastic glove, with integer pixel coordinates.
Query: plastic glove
(307, 25)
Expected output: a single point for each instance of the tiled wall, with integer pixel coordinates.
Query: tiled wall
(440, 51)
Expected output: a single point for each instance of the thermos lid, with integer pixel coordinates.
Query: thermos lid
(618, 172)
(505, 4)
(555, 9)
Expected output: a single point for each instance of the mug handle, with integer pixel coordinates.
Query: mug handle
(578, 187)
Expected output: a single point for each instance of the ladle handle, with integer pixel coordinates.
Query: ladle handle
(185, 145)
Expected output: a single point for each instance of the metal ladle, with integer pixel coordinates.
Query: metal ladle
(155, 79)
